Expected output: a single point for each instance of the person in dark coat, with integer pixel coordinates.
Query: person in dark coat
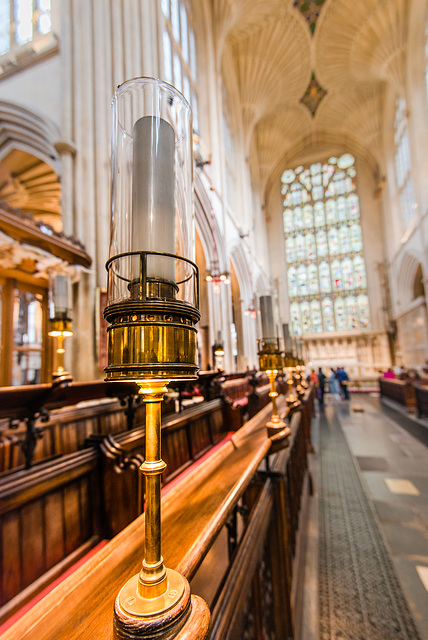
(321, 388)
(342, 376)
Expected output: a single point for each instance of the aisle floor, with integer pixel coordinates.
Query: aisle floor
(375, 565)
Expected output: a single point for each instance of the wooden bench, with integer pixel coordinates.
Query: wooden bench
(81, 607)
(421, 393)
(400, 391)
(51, 514)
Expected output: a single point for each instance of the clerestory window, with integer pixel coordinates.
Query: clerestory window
(327, 284)
(179, 52)
(23, 21)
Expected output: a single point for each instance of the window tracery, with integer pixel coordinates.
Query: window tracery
(179, 52)
(324, 248)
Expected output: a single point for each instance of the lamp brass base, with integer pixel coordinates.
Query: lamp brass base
(275, 425)
(139, 617)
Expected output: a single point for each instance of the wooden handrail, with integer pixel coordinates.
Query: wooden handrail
(193, 514)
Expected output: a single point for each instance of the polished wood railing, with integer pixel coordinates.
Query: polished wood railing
(40, 422)
(253, 583)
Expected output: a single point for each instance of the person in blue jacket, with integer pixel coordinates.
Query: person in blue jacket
(342, 376)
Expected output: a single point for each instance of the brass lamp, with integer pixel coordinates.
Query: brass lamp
(218, 352)
(152, 309)
(270, 359)
(60, 316)
(289, 364)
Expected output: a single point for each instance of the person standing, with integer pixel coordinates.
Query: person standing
(333, 385)
(343, 378)
(321, 391)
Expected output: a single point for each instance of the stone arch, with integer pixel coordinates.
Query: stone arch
(410, 266)
(30, 166)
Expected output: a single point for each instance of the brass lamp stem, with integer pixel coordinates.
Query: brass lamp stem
(273, 393)
(291, 398)
(275, 423)
(156, 595)
(60, 353)
(152, 578)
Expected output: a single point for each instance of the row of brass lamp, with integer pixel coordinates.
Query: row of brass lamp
(152, 310)
(273, 361)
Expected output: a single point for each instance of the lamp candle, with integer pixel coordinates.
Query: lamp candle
(153, 185)
(60, 294)
(266, 310)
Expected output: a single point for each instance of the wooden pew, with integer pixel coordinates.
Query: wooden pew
(54, 512)
(195, 512)
(400, 391)
(421, 393)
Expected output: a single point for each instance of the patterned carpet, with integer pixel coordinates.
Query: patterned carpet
(360, 597)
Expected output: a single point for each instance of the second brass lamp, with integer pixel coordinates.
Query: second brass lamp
(270, 359)
(152, 307)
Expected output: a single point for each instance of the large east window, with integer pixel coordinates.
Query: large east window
(23, 21)
(179, 52)
(326, 273)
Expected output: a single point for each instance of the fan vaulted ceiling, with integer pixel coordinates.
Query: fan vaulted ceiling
(349, 49)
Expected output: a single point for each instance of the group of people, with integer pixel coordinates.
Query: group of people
(337, 382)
(400, 373)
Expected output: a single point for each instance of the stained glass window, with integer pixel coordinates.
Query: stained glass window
(296, 323)
(348, 273)
(363, 310)
(298, 218)
(290, 250)
(351, 313)
(340, 314)
(293, 287)
(360, 272)
(305, 313)
(356, 241)
(310, 246)
(302, 280)
(316, 316)
(324, 250)
(331, 211)
(308, 216)
(319, 216)
(325, 279)
(179, 52)
(341, 208)
(336, 275)
(333, 241)
(313, 279)
(344, 239)
(288, 221)
(300, 247)
(328, 314)
(23, 21)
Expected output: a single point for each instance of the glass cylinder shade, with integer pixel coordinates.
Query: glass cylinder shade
(152, 290)
(152, 223)
(60, 304)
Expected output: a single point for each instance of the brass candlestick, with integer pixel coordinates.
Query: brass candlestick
(152, 310)
(291, 398)
(60, 329)
(147, 596)
(271, 361)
